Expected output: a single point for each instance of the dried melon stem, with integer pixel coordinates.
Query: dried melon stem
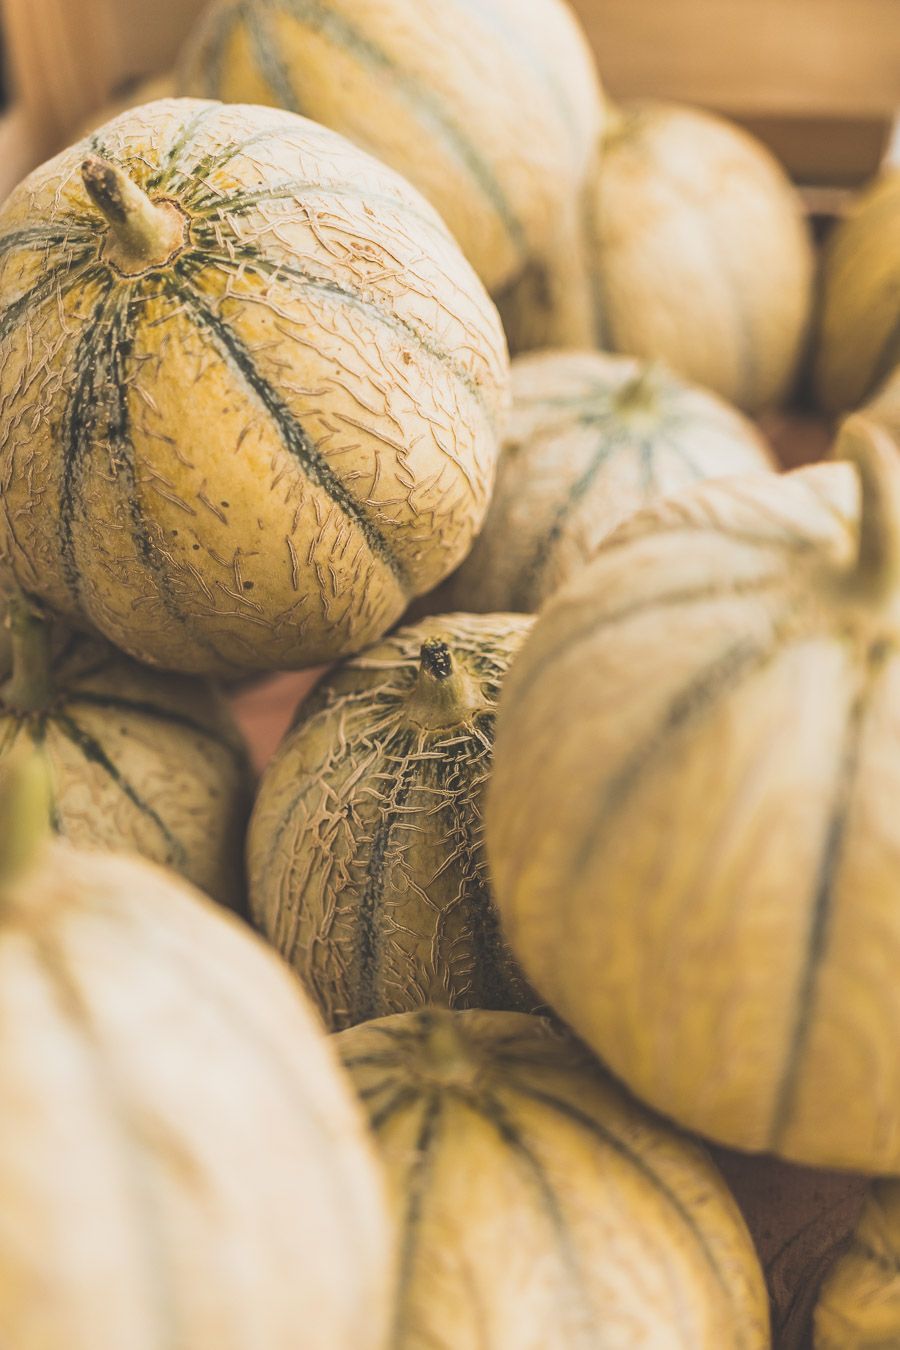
(25, 810)
(30, 686)
(142, 233)
(445, 1055)
(641, 394)
(876, 455)
(444, 694)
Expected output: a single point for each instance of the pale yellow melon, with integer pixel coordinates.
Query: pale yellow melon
(701, 253)
(251, 389)
(691, 823)
(181, 1160)
(591, 439)
(539, 1206)
(365, 851)
(140, 761)
(490, 107)
(858, 338)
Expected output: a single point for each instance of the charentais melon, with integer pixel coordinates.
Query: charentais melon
(365, 851)
(691, 822)
(699, 254)
(492, 110)
(858, 331)
(539, 1206)
(181, 1159)
(140, 761)
(251, 389)
(591, 439)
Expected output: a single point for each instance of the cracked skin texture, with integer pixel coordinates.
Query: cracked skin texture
(491, 108)
(539, 1206)
(365, 853)
(140, 761)
(591, 439)
(697, 867)
(251, 453)
(701, 253)
(165, 1082)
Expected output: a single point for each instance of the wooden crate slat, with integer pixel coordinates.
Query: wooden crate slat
(807, 57)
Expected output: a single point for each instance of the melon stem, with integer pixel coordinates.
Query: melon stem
(143, 233)
(641, 394)
(30, 686)
(25, 810)
(876, 455)
(446, 1056)
(444, 693)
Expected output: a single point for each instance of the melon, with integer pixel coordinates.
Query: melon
(250, 389)
(539, 1207)
(365, 852)
(140, 761)
(591, 439)
(858, 331)
(181, 1159)
(859, 1302)
(691, 823)
(700, 252)
(492, 109)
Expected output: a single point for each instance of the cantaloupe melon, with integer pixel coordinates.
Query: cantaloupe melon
(539, 1206)
(701, 254)
(250, 389)
(691, 822)
(140, 761)
(181, 1160)
(858, 337)
(591, 439)
(491, 108)
(365, 851)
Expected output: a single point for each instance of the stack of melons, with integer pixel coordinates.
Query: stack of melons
(608, 742)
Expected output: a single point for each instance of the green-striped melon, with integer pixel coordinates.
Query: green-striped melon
(858, 337)
(181, 1160)
(591, 439)
(490, 107)
(691, 824)
(140, 761)
(700, 252)
(250, 389)
(859, 1303)
(540, 1207)
(365, 851)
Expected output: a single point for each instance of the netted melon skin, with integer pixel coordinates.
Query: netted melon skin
(365, 851)
(251, 452)
(492, 110)
(140, 761)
